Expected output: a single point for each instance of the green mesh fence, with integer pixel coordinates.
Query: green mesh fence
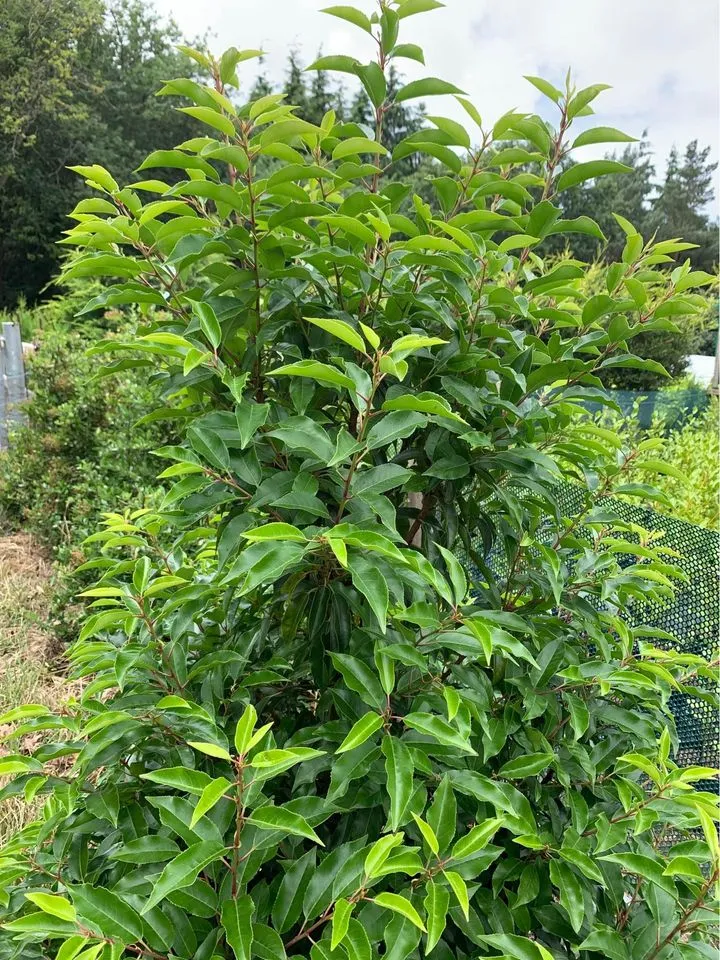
(693, 616)
(670, 409)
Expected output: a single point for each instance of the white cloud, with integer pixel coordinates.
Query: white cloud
(661, 58)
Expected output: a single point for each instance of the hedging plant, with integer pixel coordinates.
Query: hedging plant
(317, 721)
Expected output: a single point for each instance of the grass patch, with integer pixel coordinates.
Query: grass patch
(28, 651)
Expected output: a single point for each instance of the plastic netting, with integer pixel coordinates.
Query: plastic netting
(693, 616)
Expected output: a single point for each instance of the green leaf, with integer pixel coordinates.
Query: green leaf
(53, 905)
(459, 888)
(97, 174)
(394, 426)
(180, 778)
(354, 16)
(356, 145)
(340, 64)
(528, 766)
(369, 580)
(436, 903)
(356, 942)
(211, 118)
(607, 942)
(583, 225)
(580, 172)
(677, 867)
(442, 815)
(266, 943)
(519, 948)
(427, 241)
(401, 905)
(212, 793)
(359, 677)
(183, 870)
(411, 51)
(284, 820)
(643, 866)
(289, 900)
(209, 323)
(150, 849)
(271, 763)
(340, 921)
(428, 87)
(425, 402)
(302, 433)
(583, 862)
(428, 834)
(40, 923)
(361, 731)
(399, 779)
(106, 913)
(236, 918)
(275, 531)
(314, 370)
(340, 329)
(210, 750)
(602, 135)
(379, 853)
(546, 88)
(439, 730)
(244, 729)
(476, 839)
(571, 893)
(582, 98)
(250, 417)
(410, 7)
(178, 160)
(456, 573)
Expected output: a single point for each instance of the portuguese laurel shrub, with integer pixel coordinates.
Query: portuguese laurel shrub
(360, 689)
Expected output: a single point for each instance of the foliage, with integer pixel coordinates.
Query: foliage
(77, 82)
(693, 453)
(668, 345)
(305, 731)
(679, 207)
(79, 454)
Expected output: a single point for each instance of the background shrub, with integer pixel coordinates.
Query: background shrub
(694, 452)
(79, 454)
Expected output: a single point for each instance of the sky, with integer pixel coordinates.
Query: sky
(660, 57)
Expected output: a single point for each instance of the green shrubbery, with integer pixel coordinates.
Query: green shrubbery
(305, 731)
(79, 454)
(693, 454)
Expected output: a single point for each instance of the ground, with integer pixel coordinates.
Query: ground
(28, 651)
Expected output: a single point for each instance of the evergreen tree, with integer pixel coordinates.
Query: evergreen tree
(295, 89)
(361, 109)
(629, 195)
(320, 96)
(681, 206)
(77, 82)
(262, 86)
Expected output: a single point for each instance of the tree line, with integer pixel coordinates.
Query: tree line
(78, 81)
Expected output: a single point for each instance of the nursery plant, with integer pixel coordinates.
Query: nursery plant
(359, 688)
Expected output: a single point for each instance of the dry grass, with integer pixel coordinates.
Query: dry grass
(28, 654)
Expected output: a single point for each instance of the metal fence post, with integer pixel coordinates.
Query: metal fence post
(13, 375)
(3, 403)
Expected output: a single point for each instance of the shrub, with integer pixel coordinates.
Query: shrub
(305, 731)
(691, 454)
(78, 455)
(676, 335)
